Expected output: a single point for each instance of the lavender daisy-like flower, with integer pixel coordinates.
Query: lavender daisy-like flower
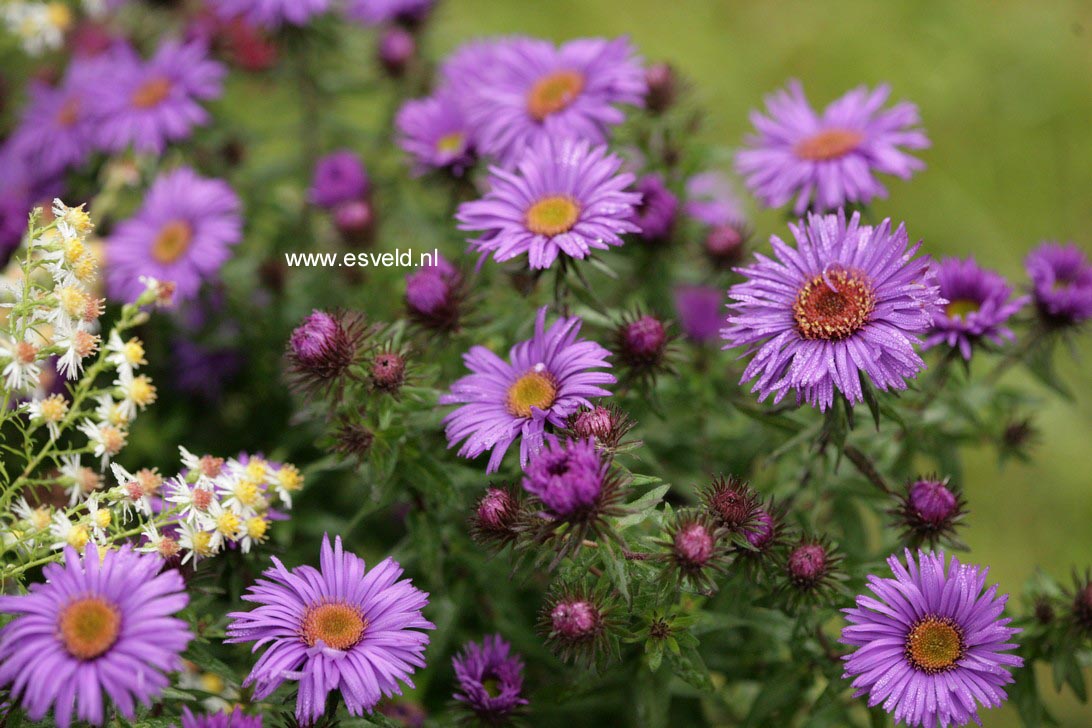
(829, 159)
(55, 131)
(979, 304)
(100, 623)
(655, 214)
(234, 719)
(339, 177)
(931, 643)
(849, 301)
(538, 90)
(182, 233)
(434, 132)
(700, 311)
(545, 380)
(1061, 279)
(378, 12)
(271, 13)
(152, 103)
(565, 196)
(490, 679)
(338, 627)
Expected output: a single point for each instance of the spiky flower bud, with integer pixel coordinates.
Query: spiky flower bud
(322, 348)
(930, 510)
(388, 371)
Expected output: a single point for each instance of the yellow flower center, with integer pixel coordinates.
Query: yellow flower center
(40, 518)
(534, 389)
(89, 627)
(53, 408)
(152, 92)
(339, 626)
(113, 439)
(256, 470)
(554, 92)
(256, 528)
(247, 492)
(961, 308)
(142, 391)
(73, 249)
(77, 537)
(833, 306)
(450, 143)
(133, 351)
(73, 300)
(202, 542)
(935, 644)
(828, 144)
(212, 683)
(60, 15)
(173, 240)
(552, 215)
(102, 518)
(86, 267)
(228, 524)
(290, 477)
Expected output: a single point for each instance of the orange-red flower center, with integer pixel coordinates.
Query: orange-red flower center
(152, 92)
(834, 305)
(339, 626)
(828, 144)
(89, 627)
(533, 389)
(553, 215)
(935, 644)
(173, 240)
(554, 92)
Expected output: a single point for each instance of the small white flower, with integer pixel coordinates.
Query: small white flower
(194, 500)
(38, 518)
(67, 533)
(133, 496)
(223, 523)
(23, 369)
(125, 355)
(137, 392)
(98, 517)
(76, 344)
(196, 542)
(158, 543)
(50, 411)
(107, 439)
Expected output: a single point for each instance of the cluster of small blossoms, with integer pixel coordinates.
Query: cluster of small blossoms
(40, 26)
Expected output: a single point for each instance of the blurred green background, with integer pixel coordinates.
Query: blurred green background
(1005, 92)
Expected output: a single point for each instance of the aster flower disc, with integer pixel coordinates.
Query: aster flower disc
(931, 645)
(848, 301)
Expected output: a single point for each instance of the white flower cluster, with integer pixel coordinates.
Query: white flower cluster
(40, 26)
(211, 504)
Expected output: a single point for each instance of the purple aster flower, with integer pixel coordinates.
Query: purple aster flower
(434, 132)
(378, 12)
(931, 643)
(149, 104)
(490, 678)
(337, 627)
(544, 381)
(568, 477)
(829, 160)
(1061, 278)
(234, 719)
(338, 177)
(55, 130)
(467, 69)
(538, 90)
(979, 303)
(849, 300)
(434, 295)
(700, 311)
(565, 196)
(711, 199)
(92, 626)
(182, 233)
(204, 370)
(655, 214)
(271, 13)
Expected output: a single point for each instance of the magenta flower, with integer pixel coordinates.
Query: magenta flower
(339, 177)
(849, 300)
(568, 477)
(338, 627)
(979, 304)
(564, 197)
(148, 104)
(93, 626)
(545, 380)
(930, 643)
(831, 159)
(490, 679)
(533, 90)
(183, 233)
